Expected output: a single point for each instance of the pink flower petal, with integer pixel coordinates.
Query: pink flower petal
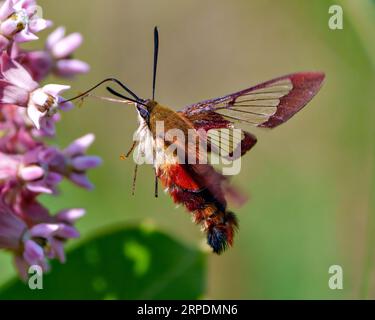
(15, 74)
(38, 97)
(29, 5)
(55, 89)
(24, 36)
(57, 247)
(71, 67)
(67, 232)
(65, 105)
(15, 51)
(19, 4)
(67, 45)
(70, 216)
(81, 180)
(37, 25)
(52, 157)
(35, 115)
(80, 145)
(10, 94)
(55, 37)
(47, 126)
(31, 173)
(4, 42)
(36, 213)
(44, 230)
(54, 178)
(9, 27)
(82, 163)
(33, 253)
(38, 63)
(6, 9)
(11, 228)
(39, 187)
(8, 167)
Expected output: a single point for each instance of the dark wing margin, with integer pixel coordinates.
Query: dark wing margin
(305, 87)
(266, 105)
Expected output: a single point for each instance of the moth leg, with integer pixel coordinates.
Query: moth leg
(156, 185)
(134, 179)
(131, 149)
(124, 157)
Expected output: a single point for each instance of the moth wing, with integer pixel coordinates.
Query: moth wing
(266, 105)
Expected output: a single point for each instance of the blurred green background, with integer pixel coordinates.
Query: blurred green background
(311, 181)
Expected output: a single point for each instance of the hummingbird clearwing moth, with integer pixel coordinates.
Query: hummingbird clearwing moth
(201, 189)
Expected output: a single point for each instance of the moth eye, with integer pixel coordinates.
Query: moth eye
(144, 113)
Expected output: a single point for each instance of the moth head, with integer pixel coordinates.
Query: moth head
(146, 108)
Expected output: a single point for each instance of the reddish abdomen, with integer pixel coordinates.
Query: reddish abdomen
(218, 223)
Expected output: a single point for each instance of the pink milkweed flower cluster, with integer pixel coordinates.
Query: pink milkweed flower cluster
(19, 21)
(29, 110)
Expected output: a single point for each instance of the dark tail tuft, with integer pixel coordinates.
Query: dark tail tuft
(217, 239)
(220, 235)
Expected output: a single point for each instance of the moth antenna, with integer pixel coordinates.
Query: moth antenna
(115, 93)
(126, 89)
(156, 55)
(134, 179)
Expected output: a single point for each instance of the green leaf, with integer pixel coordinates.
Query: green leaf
(127, 263)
